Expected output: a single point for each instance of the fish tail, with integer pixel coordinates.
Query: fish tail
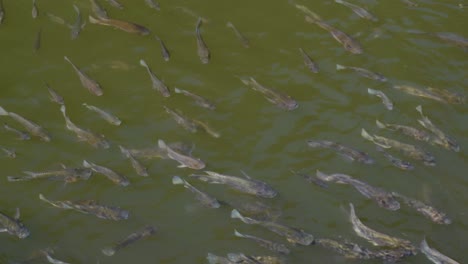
(314, 143)
(306, 10)
(3, 112)
(419, 109)
(143, 63)
(177, 90)
(229, 24)
(212, 258)
(42, 197)
(424, 246)
(76, 9)
(16, 178)
(380, 124)
(340, 67)
(366, 135)
(199, 21)
(124, 151)
(339, 1)
(177, 180)
(108, 251)
(324, 177)
(161, 144)
(87, 164)
(372, 91)
(85, 105)
(236, 214)
(30, 173)
(94, 20)
(237, 234)
(352, 213)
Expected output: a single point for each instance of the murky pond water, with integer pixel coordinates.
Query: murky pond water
(257, 137)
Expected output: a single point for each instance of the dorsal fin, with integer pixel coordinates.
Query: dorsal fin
(17, 213)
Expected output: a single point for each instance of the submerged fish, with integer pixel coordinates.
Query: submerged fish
(132, 238)
(105, 115)
(385, 100)
(410, 3)
(139, 168)
(292, 234)
(164, 52)
(312, 179)
(377, 238)
(187, 123)
(56, 19)
(77, 26)
(242, 258)
(51, 259)
(9, 152)
(37, 40)
(245, 185)
(404, 165)
(110, 174)
(276, 247)
(213, 259)
(407, 149)
(158, 85)
(88, 83)
(428, 211)
(358, 10)
(68, 175)
(120, 24)
(97, 141)
(415, 133)
(383, 198)
(207, 128)
(242, 38)
(33, 128)
(448, 37)
(54, 96)
(363, 72)
(349, 250)
(273, 96)
(449, 97)
(419, 92)
(21, 135)
(115, 4)
(199, 100)
(202, 49)
(98, 10)
(2, 12)
(434, 255)
(90, 207)
(34, 11)
(345, 151)
(308, 62)
(185, 161)
(153, 4)
(13, 226)
(204, 198)
(253, 207)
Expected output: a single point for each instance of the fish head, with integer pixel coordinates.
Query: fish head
(21, 231)
(388, 202)
(195, 164)
(124, 214)
(441, 218)
(353, 48)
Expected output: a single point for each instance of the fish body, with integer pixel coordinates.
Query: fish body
(68, 175)
(383, 198)
(110, 174)
(245, 185)
(404, 165)
(428, 211)
(115, 4)
(199, 100)
(90, 207)
(156, 152)
(242, 258)
(76, 27)
(139, 168)
(13, 226)
(419, 92)
(202, 49)
(54, 96)
(434, 255)
(204, 198)
(311, 179)
(308, 62)
(98, 10)
(452, 38)
(349, 250)
(158, 85)
(293, 235)
(187, 123)
(385, 100)
(345, 151)
(363, 72)
(153, 4)
(244, 41)
(105, 115)
(132, 238)
(184, 160)
(213, 259)
(97, 141)
(120, 24)
(273, 96)
(415, 133)
(21, 135)
(9, 152)
(33, 128)
(164, 52)
(34, 11)
(358, 10)
(448, 96)
(276, 247)
(88, 83)
(407, 149)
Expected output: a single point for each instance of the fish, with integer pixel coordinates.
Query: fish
(120, 24)
(55, 18)
(244, 41)
(411, 151)
(51, 259)
(207, 128)
(2, 12)
(37, 40)
(98, 10)
(187, 123)
(254, 208)
(110, 174)
(445, 140)
(130, 239)
(68, 175)
(34, 11)
(349, 250)
(9, 152)
(345, 151)
(358, 11)
(88, 83)
(308, 62)
(156, 152)
(13, 225)
(242, 258)
(184, 160)
(97, 141)
(164, 52)
(409, 3)
(245, 185)
(413, 132)
(204, 198)
(270, 245)
(90, 207)
(434, 255)
(312, 179)
(419, 92)
(213, 259)
(76, 27)
(383, 198)
(404, 165)
(448, 96)
(158, 85)
(110, 118)
(54, 96)
(153, 4)
(363, 72)
(385, 100)
(192, 13)
(448, 37)
(33, 128)
(21, 135)
(428, 211)
(139, 168)
(393, 255)
(275, 97)
(377, 238)
(202, 49)
(199, 100)
(115, 4)
(292, 234)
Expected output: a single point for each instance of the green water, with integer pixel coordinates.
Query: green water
(256, 136)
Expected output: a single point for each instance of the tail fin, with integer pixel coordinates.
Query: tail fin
(237, 234)
(236, 214)
(340, 67)
(366, 135)
(3, 112)
(143, 63)
(124, 151)
(177, 180)
(380, 124)
(87, 164)
(93, 20)
(372, 91)
(177, 90)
